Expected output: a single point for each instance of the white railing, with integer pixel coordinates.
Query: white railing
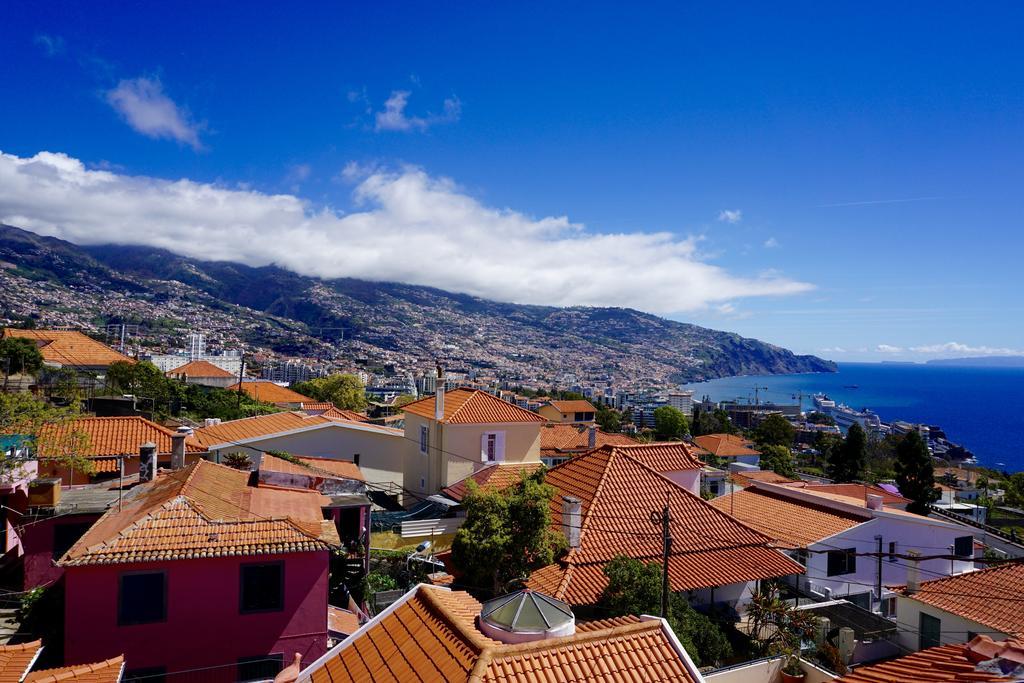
(431, 527)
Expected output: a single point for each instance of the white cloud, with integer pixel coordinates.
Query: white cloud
(393, 117)
(888, 348)
(52, 45)
(143, 104)
(832, 349)
(962, 349)
(410, 227)
(771, 243)
(732, 216)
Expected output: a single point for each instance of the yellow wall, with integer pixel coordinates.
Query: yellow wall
(553, 414)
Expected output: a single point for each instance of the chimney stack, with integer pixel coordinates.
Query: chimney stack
(178, 450)
(147, 462)
(874, 501)
(592, 436)
(439, 394)
(572, 516)
(913, 572)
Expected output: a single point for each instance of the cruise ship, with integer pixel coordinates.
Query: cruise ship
(845, 416)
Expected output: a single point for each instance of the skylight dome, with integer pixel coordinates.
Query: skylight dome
(526, 615)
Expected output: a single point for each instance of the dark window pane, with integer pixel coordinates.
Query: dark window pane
(964, 546)
(930, 630)
(142, 599)
(260, 668)
(842, 562)
(262, 587)
(65, 535)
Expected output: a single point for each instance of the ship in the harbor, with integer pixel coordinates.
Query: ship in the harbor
(845, 416)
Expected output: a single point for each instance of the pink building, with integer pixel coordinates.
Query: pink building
(201, 570)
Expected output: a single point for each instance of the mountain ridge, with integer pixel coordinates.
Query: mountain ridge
(379, 323)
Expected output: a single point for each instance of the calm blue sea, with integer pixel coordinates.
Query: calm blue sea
(980, 408)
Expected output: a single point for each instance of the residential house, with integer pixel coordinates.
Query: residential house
(70, 349)
(14, 489)
(568, 412)
(199, 569)
(107, 443)
(453, 434)
(729, 448)
(559, 442)
(203, 373)
(18, 665)
(957, 608)
(831, 534)
(982, 660)
(330, 410)
(378, 451)
(435, 634)
(269, 392)
(500, 475)
(672, 459)
(604, 505)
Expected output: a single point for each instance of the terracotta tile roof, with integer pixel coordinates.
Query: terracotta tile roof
(109, 436)
(15, 660)
(617, 492)
(341, 620)
(330, 410)
(578, 406)
(204, 510)
(568, 438)
(108, 671)
(325, 467)
(767, 476)
(472, 406)
(432, 636)
(337, 468)
(945, 663)
(69, 347)
(792, 523)
(498, 475)
(268, 392)
(275, 423)
(662, 457)
(986, 596)
(851, 490)
(199, 368)
(725, 445)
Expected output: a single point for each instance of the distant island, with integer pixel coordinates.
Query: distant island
(981, 362)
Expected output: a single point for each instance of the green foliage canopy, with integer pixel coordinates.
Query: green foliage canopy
(345, 391)
(670, 423)
(915, 473)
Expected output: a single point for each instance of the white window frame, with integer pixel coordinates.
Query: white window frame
(497, 439)
(424, 439)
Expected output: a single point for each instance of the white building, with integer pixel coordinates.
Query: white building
(681, 400)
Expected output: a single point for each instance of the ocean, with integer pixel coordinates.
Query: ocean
(980, 408)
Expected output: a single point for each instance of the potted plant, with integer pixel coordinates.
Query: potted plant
(791, 671)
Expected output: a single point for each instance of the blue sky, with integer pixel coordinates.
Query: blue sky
(840, 180)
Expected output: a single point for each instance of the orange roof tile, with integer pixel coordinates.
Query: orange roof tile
(275, 423)
(472, 406)
(986, 596)
(557, 438)
(330, 410)
(946, 663)
(268, 392)
(725, 445)
(109, 671)
(198, 368)
(324, 467)
(108, 436)
(761, 475)
(338, 468)
(617, 491)
(342, 620)
(577, 406)
(792, 523)
(662, 457)
(498, 475)
(70, 347)
(851, 490)
(15, 660)
(432, 636)
(204, 510)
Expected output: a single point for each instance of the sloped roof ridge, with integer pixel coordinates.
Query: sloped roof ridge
(585, 519)
(472, 636)
(72, 672)
(819, 505)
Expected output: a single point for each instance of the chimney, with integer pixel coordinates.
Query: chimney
(913, 572)
(147, 461)
(874, 501)
(571, 519)
(439, 395)
(178, 450)
(592, 436)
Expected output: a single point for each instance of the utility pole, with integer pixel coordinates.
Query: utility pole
(663, 520)
(241, 376)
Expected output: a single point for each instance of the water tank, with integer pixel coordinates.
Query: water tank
(526, 616)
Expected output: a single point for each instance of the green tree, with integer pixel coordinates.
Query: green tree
(847, 461)
(779, 459)
(19, 356)
(635, 588)
(48, 430)
(670, 423)
(507, 533)
(722, 423)
(775, 430)
(608, 419)
(775, 626)
(818, 418)
(915, 473)
(238, 460)
(345, 391)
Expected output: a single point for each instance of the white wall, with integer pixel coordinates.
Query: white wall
(954, 629)
(927, 539)
(688, 479)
